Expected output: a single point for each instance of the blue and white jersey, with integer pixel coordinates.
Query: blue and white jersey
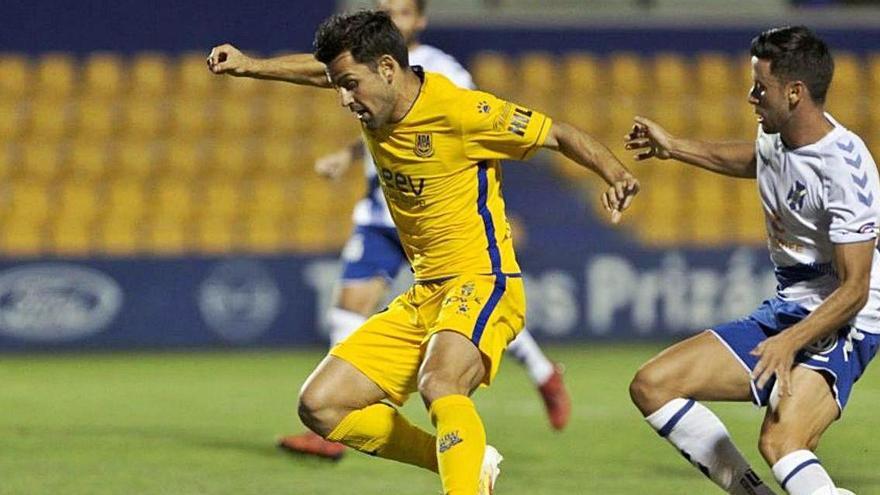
(814, 197)
(372, 209)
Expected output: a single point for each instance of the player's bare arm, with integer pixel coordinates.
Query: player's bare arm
(586, 151)
(732, 158)
(297, 68)
(852, 263)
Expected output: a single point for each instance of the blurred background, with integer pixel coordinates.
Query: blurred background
(146, 203)
(148, 206)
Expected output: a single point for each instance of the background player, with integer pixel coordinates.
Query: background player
(800, 352)
(438, 147)
(373, 255)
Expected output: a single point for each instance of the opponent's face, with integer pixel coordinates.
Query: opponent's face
(406, 16)
(770, 96)
(368, 93)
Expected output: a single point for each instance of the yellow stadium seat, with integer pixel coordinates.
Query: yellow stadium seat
(144, 119)
(495, 73)
(171, 198)
(95, 119)
(586, 112)
(216, 236)
(749, 223)
(165, 236)
(103, 76)
(537, 75)
(16, 81)
(237, 118)
(232, 159)
(873, 80)
(56, 76)
(627, 73)
(673, 113)
(125, 199)
(31, 201)
(87, 160)
(713, 74)
(79, 199)
(706, 203)
(220, 198)
(671, 75)
(582, 75)
(149, 75)
(268, 197)
(189, 117)
(8, 165)
(712, 117)
(264, 235)
(39, 160)
(741, 76)
(118, 236)
(48, 119)
(11, 119)
(70, 235)
(663, 199)
(134, 159)
(194, 78)
(244, 87)
(282, 157)
(287, 121)
(851, 111)
(849, 78)
(22, 238)
(184, 159)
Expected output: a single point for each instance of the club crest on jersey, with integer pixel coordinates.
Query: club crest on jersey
(796, 196)
(424, 145)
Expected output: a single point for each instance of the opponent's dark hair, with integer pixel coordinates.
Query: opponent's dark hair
(367, 34)
(797, 54)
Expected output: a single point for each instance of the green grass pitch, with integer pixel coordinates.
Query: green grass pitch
(205, 423)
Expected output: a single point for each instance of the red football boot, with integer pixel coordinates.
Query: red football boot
(310, 443)
(556, 399)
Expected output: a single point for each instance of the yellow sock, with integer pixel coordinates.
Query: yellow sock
(382, 431)
(461, 443)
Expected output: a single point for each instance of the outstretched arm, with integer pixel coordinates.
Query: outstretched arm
(587, 152)
(734, 158)
(298, 68)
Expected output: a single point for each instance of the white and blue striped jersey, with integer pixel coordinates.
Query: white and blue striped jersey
(814, 197)
(372, 210)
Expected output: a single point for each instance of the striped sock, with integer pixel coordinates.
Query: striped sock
(704, 441)
(801, 473)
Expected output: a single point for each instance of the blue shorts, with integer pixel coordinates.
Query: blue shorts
(842, 357)
(372, 252)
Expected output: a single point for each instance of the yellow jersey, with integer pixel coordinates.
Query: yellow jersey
(440, 173)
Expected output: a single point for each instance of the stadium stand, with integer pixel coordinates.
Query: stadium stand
(120, 158)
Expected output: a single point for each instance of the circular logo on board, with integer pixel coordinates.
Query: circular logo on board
(239, 300)
(56, 302)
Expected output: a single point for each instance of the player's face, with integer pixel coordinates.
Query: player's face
(769, 96)
(406, 16)
(363, 90)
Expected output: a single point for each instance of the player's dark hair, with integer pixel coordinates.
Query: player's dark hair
(796, 54)
(367, 34)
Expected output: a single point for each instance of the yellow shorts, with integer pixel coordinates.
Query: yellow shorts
(388, 348)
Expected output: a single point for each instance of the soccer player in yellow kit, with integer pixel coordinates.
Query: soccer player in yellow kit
(437, 149)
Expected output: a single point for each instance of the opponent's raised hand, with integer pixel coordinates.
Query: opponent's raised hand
(649, 140)
(333, 165)
(227, 59)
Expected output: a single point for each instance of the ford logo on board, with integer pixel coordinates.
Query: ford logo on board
(56, 302)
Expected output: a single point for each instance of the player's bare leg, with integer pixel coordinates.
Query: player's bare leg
(546, 375)
(452, 368)
(666, 390)
(343, 405)
(791, 432)
(356, 300)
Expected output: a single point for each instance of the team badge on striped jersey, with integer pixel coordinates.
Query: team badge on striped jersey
(424, 145)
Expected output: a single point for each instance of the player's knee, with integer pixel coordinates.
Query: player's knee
(316, 410)
(647, 389)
